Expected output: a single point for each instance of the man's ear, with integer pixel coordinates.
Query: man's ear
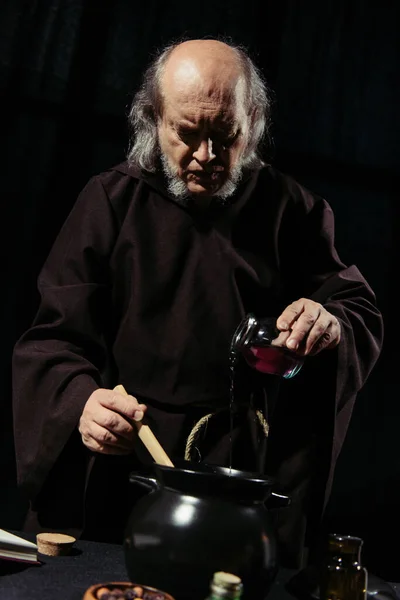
(252, 120)
(150, 113)
(253, 116)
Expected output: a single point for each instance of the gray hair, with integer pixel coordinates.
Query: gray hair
(146, 108)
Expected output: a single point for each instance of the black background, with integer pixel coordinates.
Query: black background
(68, 70)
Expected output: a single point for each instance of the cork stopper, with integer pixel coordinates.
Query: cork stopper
(54, 544)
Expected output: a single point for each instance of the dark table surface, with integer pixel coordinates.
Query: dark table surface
(68, 577)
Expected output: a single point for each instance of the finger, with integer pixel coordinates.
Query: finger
(281, 339)
(317, 335)
(105, 436)
(290, 315)
(91, 430)
(107, 449)
(125, 405)
(96, 445)
(302, 327)
(329, 339)
(322, 343)
(115, 423)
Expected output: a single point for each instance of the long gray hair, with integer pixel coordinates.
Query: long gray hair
(146, 108)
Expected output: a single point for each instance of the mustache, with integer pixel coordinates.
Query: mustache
(208, 170)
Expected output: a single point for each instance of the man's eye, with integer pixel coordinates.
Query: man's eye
(187, 135)
(227, 141)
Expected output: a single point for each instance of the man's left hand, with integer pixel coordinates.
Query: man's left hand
(312, 328)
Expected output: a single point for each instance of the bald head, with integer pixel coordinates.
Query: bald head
(202, 70)
(208, 59)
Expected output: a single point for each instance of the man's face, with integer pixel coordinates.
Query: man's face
(202, 135)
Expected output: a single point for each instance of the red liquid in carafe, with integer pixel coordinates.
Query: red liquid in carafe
(272, 360)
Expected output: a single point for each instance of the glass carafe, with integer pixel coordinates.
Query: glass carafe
(263, 347)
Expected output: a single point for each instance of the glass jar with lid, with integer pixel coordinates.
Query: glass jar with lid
(343, 577)
(225, 586)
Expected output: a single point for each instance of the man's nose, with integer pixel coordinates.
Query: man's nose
(204, 153)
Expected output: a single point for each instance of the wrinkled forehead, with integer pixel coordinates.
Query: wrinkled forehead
(208, 90)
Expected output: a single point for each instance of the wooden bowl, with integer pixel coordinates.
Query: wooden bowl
(149, 593)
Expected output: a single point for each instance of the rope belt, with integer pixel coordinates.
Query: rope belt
(194, 434)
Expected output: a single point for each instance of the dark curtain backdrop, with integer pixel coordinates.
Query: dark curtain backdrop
(68, 70)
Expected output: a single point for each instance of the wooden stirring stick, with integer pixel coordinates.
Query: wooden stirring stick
(148, 438)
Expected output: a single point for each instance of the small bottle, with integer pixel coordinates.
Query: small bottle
(343, 577)
(225, 586)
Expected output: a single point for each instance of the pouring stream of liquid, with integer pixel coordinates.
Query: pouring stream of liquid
(233, 358)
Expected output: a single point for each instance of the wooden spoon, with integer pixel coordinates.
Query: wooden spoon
(148, 438)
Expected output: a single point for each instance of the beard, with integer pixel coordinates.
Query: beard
(178, 189)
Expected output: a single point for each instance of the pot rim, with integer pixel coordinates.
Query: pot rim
(219, 471)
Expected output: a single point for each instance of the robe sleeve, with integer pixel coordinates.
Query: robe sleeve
(333, 378)
(312, 415)
(316, 271)
(63, 357)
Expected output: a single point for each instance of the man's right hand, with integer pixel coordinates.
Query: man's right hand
(107, 422)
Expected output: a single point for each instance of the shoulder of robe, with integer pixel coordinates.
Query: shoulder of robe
(126, 169)
(121, 181)
(115, 176)
(118, 185)
(284, 193)
(294, 191)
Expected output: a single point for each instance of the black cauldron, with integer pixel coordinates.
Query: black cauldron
(198, 519)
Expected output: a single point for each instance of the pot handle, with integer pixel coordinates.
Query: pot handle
(150, 483)
(278, 501)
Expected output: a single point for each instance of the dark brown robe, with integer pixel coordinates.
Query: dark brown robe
(142, 291)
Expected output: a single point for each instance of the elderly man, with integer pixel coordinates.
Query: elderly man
(158, 262)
